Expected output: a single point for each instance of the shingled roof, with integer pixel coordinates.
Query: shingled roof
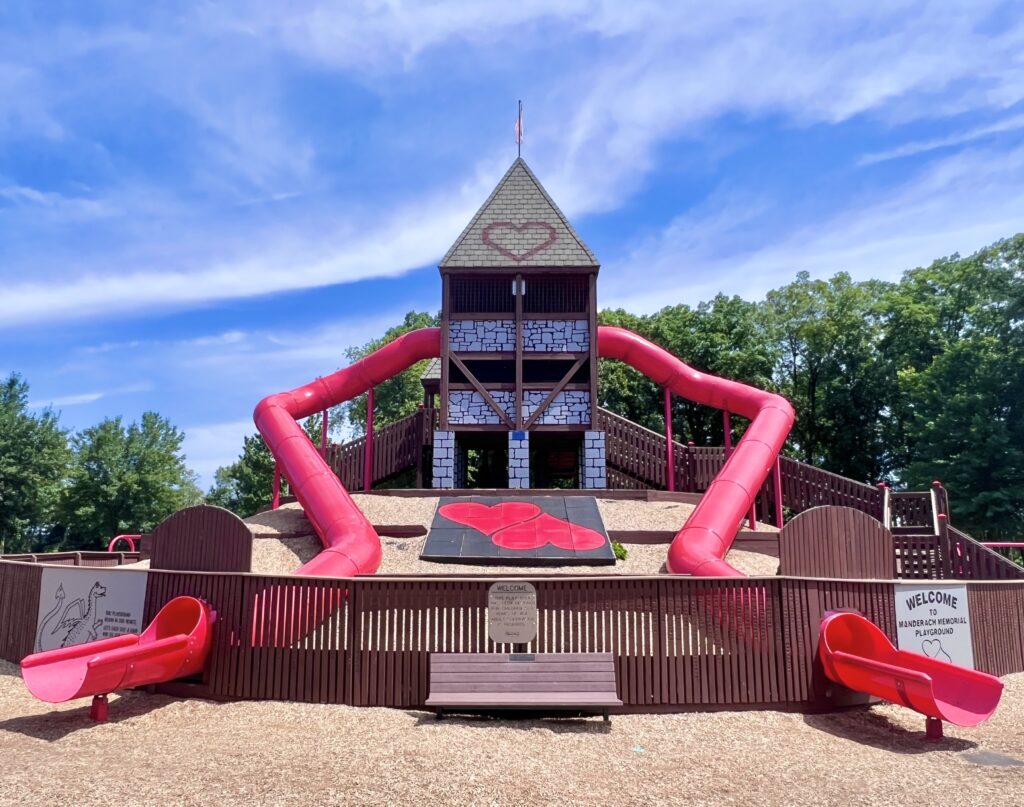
(518, 226)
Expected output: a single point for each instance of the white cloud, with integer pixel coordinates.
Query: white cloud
(653, 74)
(209, 446)
(77, 399)
(957, 205)
(921, 146)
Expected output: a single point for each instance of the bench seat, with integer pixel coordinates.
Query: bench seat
(548, 681)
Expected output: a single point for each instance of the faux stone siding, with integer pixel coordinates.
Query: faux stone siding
(444, 459)
(556, 335)
(469, 406)
(569, 406)
(481, 335)
(592, 461)
(519, 459)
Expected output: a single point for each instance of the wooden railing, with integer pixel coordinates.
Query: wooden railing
(86, 558)
(636, 459)
(678, 642)
(396, 448)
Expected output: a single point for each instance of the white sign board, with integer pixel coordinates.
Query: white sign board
(79, 604)
(933, 619)
(512, 612)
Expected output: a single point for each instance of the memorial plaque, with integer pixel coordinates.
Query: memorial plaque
(512, 612)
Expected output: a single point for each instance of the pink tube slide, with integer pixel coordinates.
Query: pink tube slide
(700, 546)
(351, 546)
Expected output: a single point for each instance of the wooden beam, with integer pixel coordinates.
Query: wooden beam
(558, 388)
(592, 322)
(483, 392)
(445, 313)
(519, 352)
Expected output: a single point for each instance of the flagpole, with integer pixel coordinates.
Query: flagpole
(519, 140)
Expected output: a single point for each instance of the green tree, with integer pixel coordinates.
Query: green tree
(124, 479)
(245, 487)
(398, 396)
(725, 337)
(33, 463)
(956, 347)
(828, 365)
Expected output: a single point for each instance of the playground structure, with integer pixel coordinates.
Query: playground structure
(517, 355)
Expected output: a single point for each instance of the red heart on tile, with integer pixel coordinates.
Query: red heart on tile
(489, 519)
(546, 529)
(519, 242)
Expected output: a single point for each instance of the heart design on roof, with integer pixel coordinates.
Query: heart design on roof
(519, 242)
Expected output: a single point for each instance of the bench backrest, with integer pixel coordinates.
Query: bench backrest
(522, 672)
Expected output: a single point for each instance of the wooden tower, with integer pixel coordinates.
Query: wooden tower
(518, 368)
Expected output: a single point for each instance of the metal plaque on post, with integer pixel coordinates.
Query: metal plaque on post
(512, 612)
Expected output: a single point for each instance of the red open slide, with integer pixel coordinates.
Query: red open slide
(352, 547)
(857, 654)
(174, 645)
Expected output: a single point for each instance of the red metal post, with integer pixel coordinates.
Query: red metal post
(275, 499)
(670, 460)
(727, 431)
(323, 435)
(777, 480)
(368, 445)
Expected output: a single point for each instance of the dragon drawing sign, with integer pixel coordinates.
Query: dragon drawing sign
(83, 604)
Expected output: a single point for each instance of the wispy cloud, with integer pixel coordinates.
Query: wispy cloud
(225, 80)
(956, 205)
(1011, 124)
(77, 399)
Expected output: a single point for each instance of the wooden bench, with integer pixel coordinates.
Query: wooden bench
(582, 682)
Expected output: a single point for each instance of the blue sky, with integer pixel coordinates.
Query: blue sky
(201, 204)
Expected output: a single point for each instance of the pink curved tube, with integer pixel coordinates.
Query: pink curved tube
(351, 546)
(699, 548)
(130, 538)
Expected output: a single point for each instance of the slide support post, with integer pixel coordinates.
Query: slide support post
(670, 461)
(368, 445)
(777, 480)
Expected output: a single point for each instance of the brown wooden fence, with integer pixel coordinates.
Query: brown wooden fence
(837, 542)
(396, 447)
(202, 538)
(636, 459)
(78, 558)
(19, 607)
(950, 555)
(678, 642)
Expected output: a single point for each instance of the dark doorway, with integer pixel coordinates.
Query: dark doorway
(486, 458)
(555, 460)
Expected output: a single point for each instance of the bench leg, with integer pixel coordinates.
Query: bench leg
(606, 718)
(439, 714)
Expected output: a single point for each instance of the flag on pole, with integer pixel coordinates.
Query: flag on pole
(519, 128)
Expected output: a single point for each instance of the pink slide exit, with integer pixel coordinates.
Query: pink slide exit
(351, 546)
(857, 654)
(701, 545)
(174, 645)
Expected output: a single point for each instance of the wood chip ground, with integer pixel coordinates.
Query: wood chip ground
(159, 751)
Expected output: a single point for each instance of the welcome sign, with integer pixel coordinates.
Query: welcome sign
(934, 619)
(79, 604)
